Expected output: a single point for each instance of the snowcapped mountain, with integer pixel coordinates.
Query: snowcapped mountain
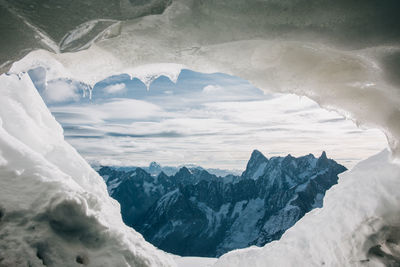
(197, 213)
(155, 169)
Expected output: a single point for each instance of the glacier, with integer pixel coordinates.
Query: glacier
(342, 54)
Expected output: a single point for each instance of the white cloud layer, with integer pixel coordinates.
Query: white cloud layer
(115, 88)
(115, 110)
(212, 89)
(215, 125)
(60, 91)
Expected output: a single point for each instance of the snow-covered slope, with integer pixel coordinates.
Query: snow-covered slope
(358, 225)
(54, 208)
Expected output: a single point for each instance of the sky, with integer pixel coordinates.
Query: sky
(212, 120)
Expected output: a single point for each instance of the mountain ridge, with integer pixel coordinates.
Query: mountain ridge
(155, 169)
(195, 213)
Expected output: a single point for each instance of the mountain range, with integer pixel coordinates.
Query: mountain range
(195, 213)
(155, 169)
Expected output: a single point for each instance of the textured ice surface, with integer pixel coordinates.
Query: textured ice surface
(357, 80)
(194, 261)
(54, 208)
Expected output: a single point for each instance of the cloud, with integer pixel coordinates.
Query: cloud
(212, 89)
(129, 109)
(211, 122)
(112, 111)
(115, 88)
(168, 134)
(60, 91)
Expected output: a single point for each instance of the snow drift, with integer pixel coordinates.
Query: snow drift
(342, 54)
(359, 225)
(54, 209)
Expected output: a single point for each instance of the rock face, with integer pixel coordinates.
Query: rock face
(199, 214)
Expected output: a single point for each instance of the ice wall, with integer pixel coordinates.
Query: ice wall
(54, 208)
(342, 54)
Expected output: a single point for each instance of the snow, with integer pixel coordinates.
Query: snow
(214, 218)
(332, 76)
(318, 201)
(243, 229)
(194, 261)
(87, 33)
(238, 208)
(259, 171)
(359, 213)
(149, 73)
(105, 177)
(54, 207)
(113, 185)
(168, 198)
(48, 190)
(58, 193)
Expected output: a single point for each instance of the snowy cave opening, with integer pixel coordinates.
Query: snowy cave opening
(344, 55)
(44, 137)
(297, 126)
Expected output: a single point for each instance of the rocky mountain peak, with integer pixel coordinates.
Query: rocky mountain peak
(255, 165)
(257, 156)
(195, 213)
(323, 160)
(154, 168)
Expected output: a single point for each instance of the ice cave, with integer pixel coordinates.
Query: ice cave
(345, 55)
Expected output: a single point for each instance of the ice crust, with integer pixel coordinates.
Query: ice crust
(54, 208)
(357, 82)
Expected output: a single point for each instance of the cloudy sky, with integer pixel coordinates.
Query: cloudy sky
(213, 120)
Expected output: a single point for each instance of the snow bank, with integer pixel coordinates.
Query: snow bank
(359, 225)
(54, 209)
(194, 261)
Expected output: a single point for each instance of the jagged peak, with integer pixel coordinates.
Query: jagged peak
(256, 155)
(139, 170)
(183, 170)
(256, 160)
(323, 159)
(289, 156)
(154, 164)
(288, 159)
(256, 152)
